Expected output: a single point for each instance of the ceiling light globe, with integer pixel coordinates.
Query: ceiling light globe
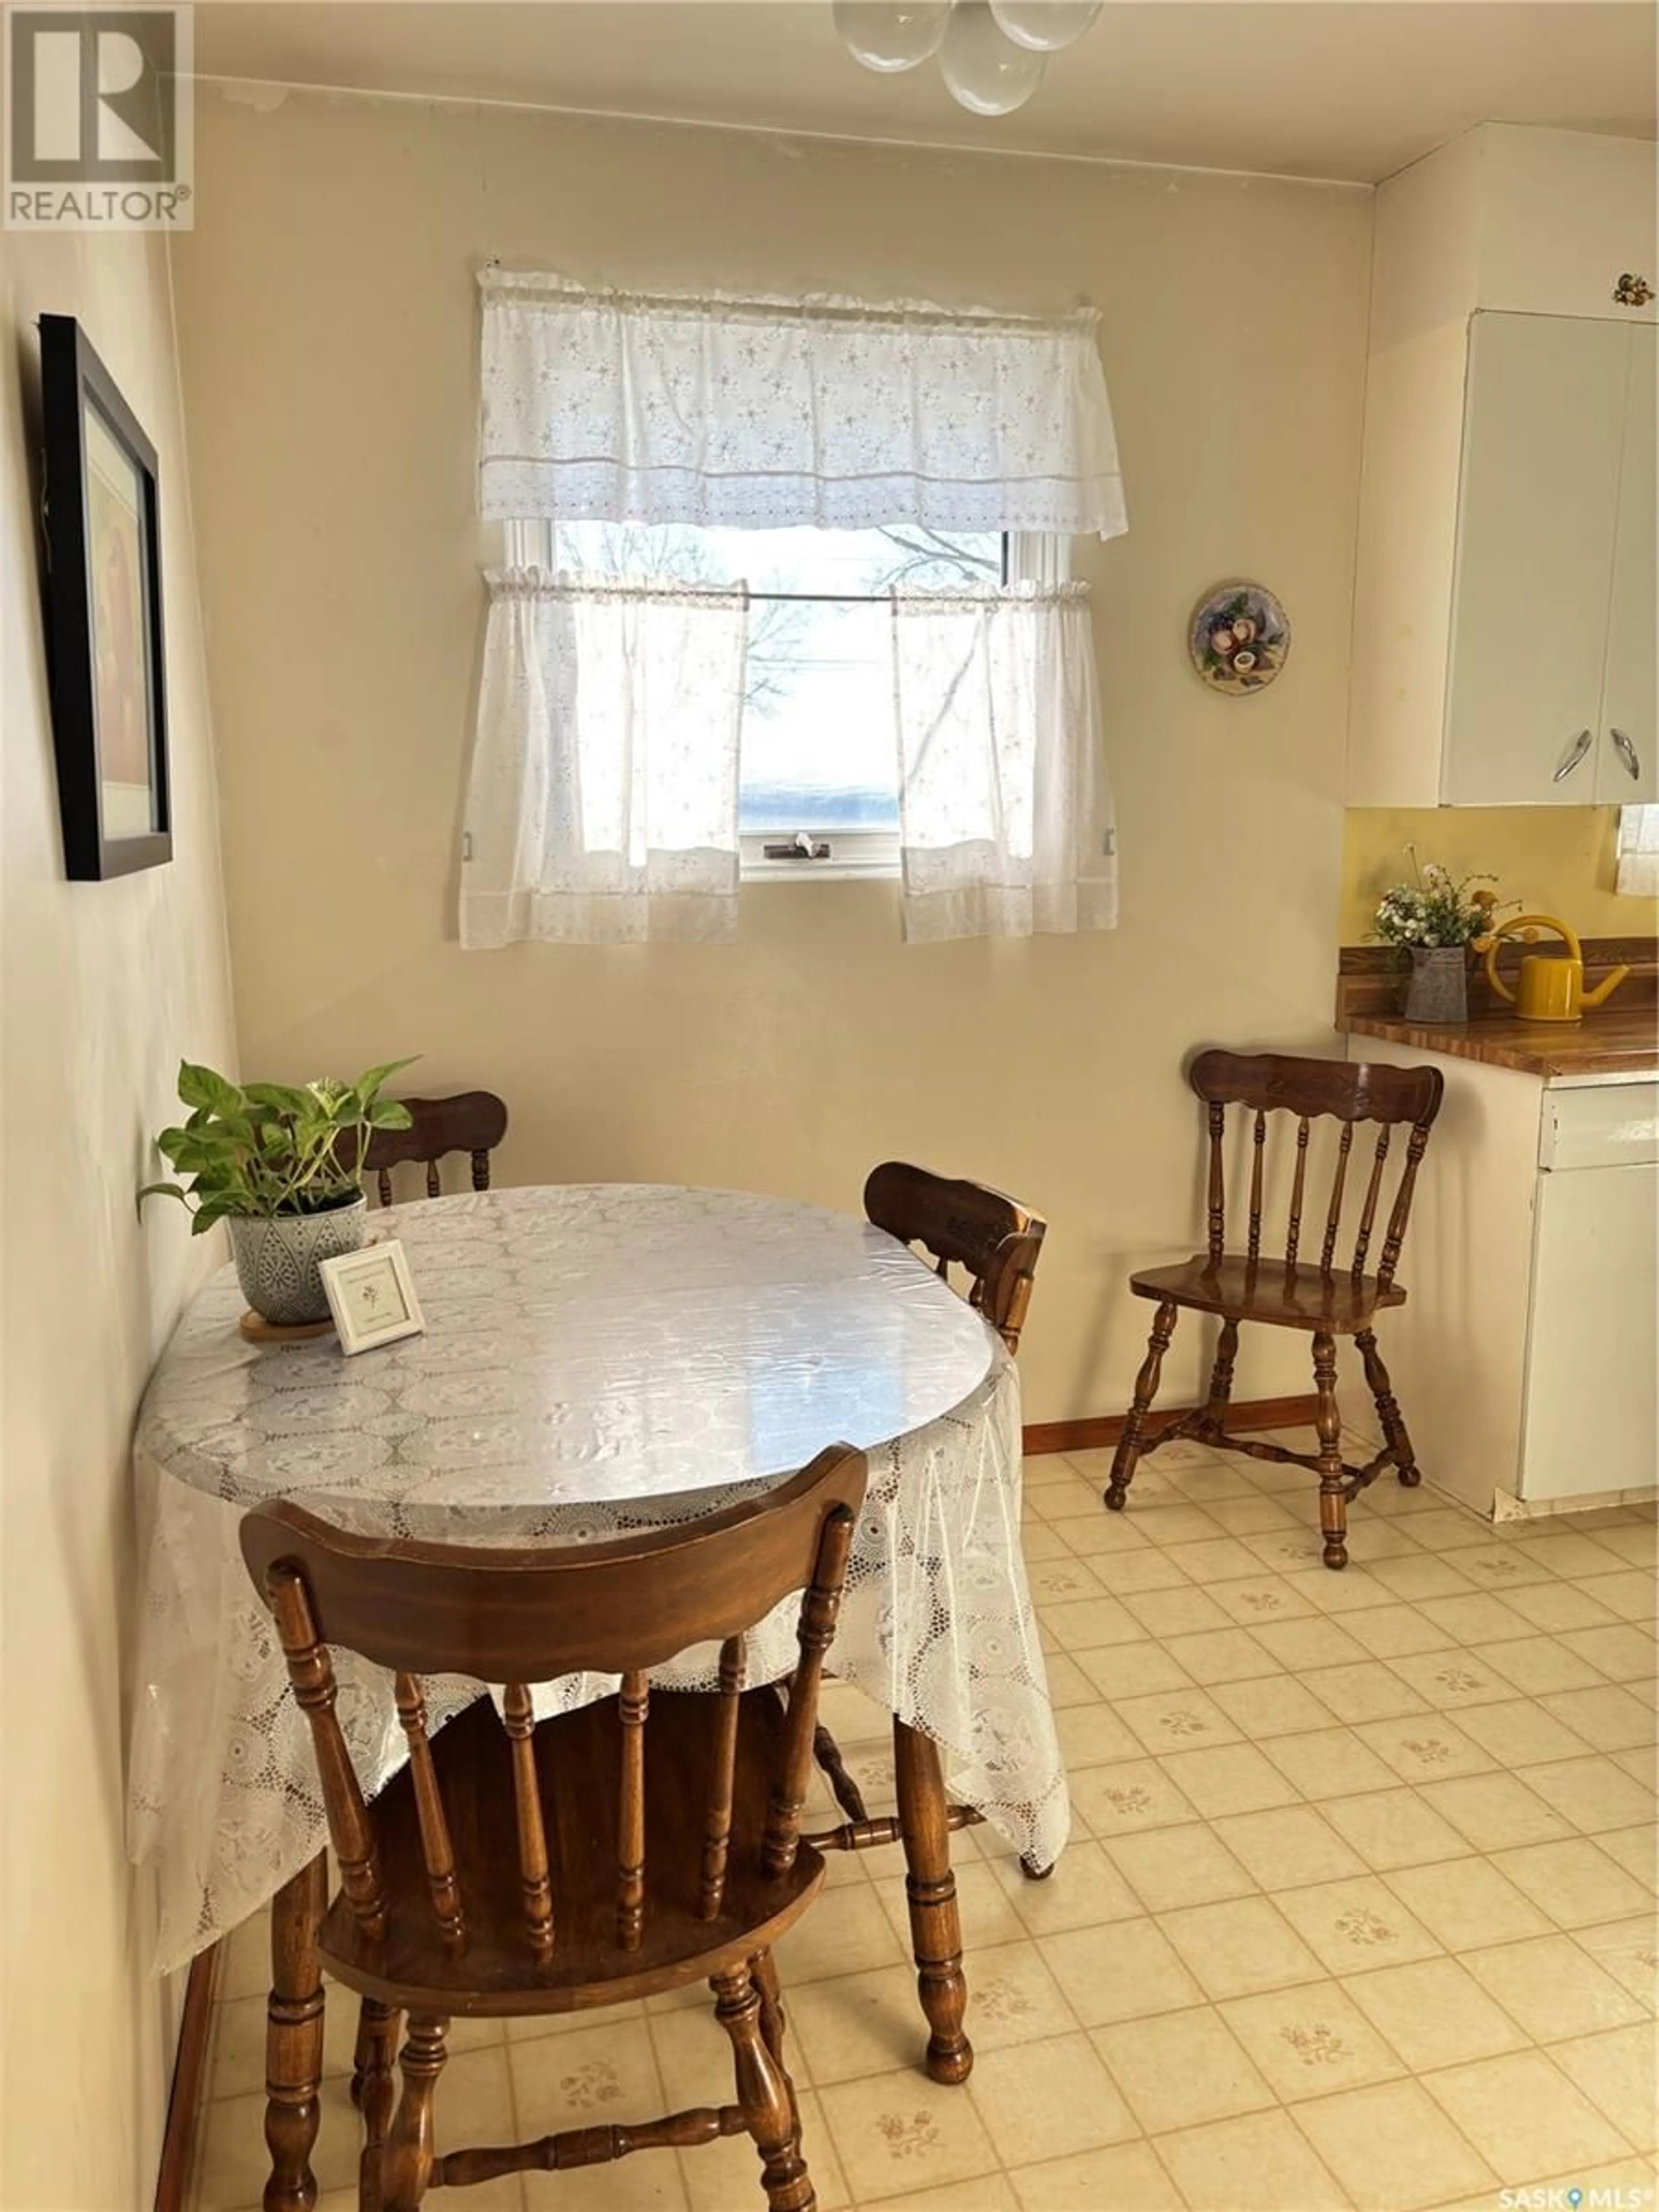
(986, 73)
(1044, 25)
(890, 35)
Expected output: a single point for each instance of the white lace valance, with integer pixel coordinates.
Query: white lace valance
(764, 413)
(602, 808)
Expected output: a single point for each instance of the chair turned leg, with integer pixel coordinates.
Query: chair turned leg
(407, 2162)
(931, 1887)
(373, 2085)
(359, 2052)
(1221, 1375)
(764, 2091)
(827, 1752)
(1128, 1444)
(1396, 1434)
(1332, 1500)
(294, 2039)
(773, 2024)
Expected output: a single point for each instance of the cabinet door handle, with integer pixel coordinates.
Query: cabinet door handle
(1628, 754)
(1581, 745)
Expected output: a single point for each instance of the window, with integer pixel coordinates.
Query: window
(1639, 851)
(851, 442)
(817, 759)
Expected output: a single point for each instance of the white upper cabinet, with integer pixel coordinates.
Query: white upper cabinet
(1562, 215)
(1538, 514)
(1505, 587)
(1627, 751)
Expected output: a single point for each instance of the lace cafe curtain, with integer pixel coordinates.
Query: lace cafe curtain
(1005, 814)
(602, 805)
(1639, 851)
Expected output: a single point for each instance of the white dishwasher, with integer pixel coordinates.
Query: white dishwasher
(1591, 1419)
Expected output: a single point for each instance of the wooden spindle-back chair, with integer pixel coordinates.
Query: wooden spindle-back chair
(628, 1847)
(472, 1122)
(995, 1240)
(1329, 1297)
(991, 1237)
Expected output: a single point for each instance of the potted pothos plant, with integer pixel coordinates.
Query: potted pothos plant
(280, 1165)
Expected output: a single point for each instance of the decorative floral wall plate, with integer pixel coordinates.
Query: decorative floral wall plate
(1239, 638)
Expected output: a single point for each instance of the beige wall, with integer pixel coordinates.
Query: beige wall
(105, 984)
(1556, 860)
(329, 334)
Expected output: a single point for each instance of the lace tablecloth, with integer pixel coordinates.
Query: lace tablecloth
(597, 1359)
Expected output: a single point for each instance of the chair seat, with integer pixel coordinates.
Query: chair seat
(1241, 1289)
(578, 1757)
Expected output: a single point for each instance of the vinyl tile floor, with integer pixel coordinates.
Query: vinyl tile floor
(1358, 1908)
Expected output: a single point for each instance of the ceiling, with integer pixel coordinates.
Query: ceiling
(1341, 88)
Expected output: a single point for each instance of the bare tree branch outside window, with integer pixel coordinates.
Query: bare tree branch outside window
(817, 749)
(926, 560)
(777, 628)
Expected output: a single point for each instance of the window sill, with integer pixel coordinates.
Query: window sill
(850, 871)
(855, 856)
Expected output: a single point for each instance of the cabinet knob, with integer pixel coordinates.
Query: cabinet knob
(1575, 753)
(1628, 753)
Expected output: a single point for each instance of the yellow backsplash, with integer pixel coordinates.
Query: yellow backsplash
(1555, 859)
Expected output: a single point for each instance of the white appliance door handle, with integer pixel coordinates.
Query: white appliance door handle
(1581, 745)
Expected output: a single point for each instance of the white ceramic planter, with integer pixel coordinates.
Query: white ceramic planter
(277, 1259)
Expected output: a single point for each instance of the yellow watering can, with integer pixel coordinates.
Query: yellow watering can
(1551, 988)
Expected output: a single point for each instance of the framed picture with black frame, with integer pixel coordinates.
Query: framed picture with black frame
(103, 602)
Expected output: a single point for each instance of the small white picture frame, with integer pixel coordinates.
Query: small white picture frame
(372, 1297)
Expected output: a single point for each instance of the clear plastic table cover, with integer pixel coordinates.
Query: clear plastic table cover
(596, 1358)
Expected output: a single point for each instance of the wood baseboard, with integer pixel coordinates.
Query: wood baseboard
(1243, 1415)
(190, 2084)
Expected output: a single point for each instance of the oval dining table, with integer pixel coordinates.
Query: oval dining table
(595, 1359)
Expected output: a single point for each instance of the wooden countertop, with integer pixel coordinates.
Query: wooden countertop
(1621, 1038)
(1613, 1040)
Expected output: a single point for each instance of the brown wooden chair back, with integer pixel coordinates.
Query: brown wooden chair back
(524, 1617)
(1347, 1092)
(473, 1122)
(991, 1237)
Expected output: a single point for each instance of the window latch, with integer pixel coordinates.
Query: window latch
(800, 847)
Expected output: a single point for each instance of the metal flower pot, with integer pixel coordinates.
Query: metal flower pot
(1439, 987)
(276, 1259)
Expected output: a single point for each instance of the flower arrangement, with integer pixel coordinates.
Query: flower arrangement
(1437, 910)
